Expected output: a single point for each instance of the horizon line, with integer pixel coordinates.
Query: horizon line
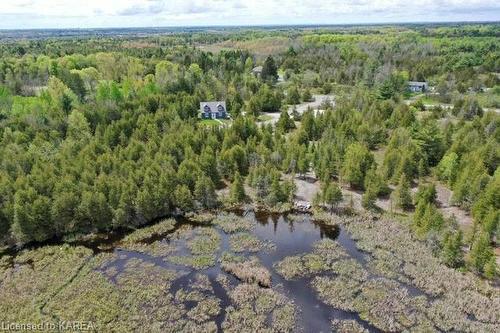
(260, 25)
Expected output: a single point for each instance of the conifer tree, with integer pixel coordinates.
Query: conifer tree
(481, 252)
(237, 191)
(402, 195)
(451, 251)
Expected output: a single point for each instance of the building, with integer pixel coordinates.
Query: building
(213, 110)
(257, 71)
(415, 86)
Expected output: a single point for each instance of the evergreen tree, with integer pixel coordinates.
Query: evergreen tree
(402, 195)
(183, 198)
(481, 252)
(332, 194)
(293, 96)
(306, 96)
(452, 249)
(490, 268)
(269, 70)
(285, 123)
(204, 192)
(237, 190)
(369, 198)
(357, 161)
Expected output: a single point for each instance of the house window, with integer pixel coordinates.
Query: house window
(220, 108)
(206, 108)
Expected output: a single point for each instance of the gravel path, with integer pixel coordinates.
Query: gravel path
(301, 108)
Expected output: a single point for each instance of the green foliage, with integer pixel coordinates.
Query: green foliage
(269, 70)
(491, 269)
(451, 251)
(204, 192)
(481, 252)
(357, 161)
(237, 190)
(395, 84)
(285, 123)
(401, 196)
(183, 198)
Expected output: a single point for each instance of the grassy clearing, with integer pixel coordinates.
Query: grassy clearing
(209, 122)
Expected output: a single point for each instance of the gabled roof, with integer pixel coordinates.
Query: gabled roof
(417, 83)
(212, 105)
(257, 69)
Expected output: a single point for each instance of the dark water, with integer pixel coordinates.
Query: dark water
(290, 238)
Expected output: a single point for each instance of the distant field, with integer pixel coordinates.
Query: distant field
(260, 47)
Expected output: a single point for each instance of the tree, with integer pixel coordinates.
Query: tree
(293, 96)
(204, 192)
(402, 196)
(269, 70)
(451, 252)
(285, 123)
(426, 193)
(481, 252)
(357, 161)
(183, 198)
(369, 198)
(447, 169)
(332, 194)
(306, 96)
(237, 190)
(32, 220)
(490, 268)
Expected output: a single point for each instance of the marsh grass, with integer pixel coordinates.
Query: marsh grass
(347, 326)
(231, 223)
(257, 309)
(247, 242)
(141, 235)
(246, 270)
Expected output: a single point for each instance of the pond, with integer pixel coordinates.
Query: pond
(288, 237)
(248, 271)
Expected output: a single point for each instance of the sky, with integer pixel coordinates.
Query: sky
(28, 14)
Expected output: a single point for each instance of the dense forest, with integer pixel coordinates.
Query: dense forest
(103, 132)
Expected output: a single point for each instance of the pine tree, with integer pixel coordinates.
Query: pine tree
(402, 195)
(481, 252)
(237, 191)
(183, 198)
(451, 251)
(285, 123)
(369, 198)
(269, 70)
(357, 161)
(490, 268)
(204, 192)
(332, 194)
(306, 96)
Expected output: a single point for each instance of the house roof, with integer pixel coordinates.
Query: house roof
(417, 83)
(257, 69)
(213, 105)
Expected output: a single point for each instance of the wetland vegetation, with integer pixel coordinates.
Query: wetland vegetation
(331, 199)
